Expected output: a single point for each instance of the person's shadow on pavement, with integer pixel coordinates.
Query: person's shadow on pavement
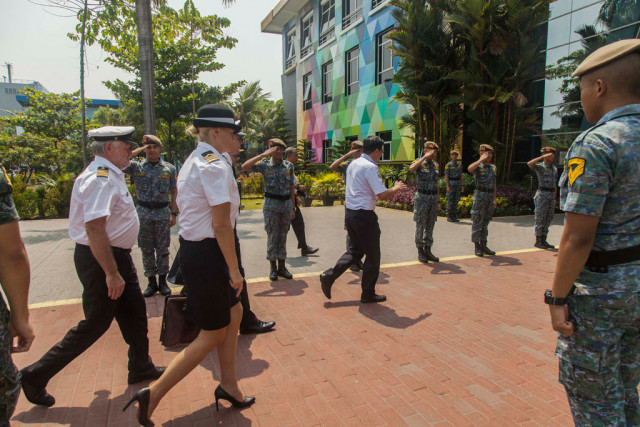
(445, 268)
(382, 278)
(502, 261)
(284, 288)
(226, 416)
(380, 313)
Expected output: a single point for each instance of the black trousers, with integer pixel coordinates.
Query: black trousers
(129, 310)
(364, 240)
(297, 223)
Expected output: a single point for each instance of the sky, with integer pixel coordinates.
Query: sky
(35, 43)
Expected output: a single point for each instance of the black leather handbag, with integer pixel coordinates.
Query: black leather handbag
(176, 328)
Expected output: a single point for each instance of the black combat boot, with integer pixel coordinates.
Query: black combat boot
(273, 275)
(152, 287)
(538, 243)
(282, 270)
(478, 249)
(485, 249)
(422, 256)
(164, 288)
(455, 217)
(545, 243)
(430, 256)
(450, 218)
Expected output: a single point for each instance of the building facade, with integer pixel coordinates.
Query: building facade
(337, 72)
(9, 91)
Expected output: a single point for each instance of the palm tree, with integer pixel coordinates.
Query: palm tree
(246, 105)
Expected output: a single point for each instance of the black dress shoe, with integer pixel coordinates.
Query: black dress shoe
(309, 250)
(373, 298)
(152, 373)
(220, 394)
(325, 284)
(259, 327)
(36, 395)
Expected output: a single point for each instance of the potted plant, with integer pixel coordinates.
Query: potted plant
(306, 180)
(328, 187)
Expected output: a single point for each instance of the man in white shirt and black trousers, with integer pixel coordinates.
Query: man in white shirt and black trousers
(104, 224)
(364, 185)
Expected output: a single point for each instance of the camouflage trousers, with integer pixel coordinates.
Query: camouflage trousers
(276, 224)
(453, 197)
(9, 374)
(154, 240)
(425, 215)
(8, 212)
(600, 363)
(481, 214)
(545, 202)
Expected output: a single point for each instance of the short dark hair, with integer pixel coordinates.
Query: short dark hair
(288, 151)
(371, 144)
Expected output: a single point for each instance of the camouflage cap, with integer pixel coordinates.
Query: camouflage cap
(607, 54)
(151, 139)
(277, 142)
(547, 150)
(454, 151)
(485, 147)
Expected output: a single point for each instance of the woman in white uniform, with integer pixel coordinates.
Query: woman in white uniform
(208, 200)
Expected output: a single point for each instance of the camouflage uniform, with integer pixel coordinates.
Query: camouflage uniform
(544, 199)
(600, 363)
(425, 206)
(454, 171)
(482, 208)
(9, 375)
(278, 179)
(153, 185)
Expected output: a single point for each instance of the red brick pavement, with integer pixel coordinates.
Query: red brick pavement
(464, 342)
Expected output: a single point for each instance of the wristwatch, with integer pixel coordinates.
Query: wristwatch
(548, 299)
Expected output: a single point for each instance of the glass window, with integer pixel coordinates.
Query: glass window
(351, 71)
(306, 35)
(306, 91)
(291, 49)
(351, 11)
(376, 3)
(326, 150)
(327, 21)
(386, 148)
(327, 82)
(384, 57)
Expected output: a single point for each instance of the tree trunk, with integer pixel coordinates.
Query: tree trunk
(83, 128)
(145, 53)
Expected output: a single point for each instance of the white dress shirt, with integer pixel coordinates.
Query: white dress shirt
(364, 183)
(205, 180)
(100, 191)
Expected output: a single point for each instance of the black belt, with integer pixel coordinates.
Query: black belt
(484, 189)
(114, 249)
(598, 261)
(428, 193)
(152, 205)
(550, 189)
(276, 196)
(457, 178)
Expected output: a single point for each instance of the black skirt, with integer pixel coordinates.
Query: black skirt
(206, 275)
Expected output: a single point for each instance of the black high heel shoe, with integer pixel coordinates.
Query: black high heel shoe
(221, 394)
(142, 397)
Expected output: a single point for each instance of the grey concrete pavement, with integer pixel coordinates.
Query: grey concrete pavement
(54, 278)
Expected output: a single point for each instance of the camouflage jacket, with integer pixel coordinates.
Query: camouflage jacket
(601, 177)
(8, 212)
(154, 183)
(278, 179)
(453, 170)
(547, 174)
(427, 176)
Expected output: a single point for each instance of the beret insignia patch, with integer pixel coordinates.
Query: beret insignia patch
(102, 172)
(576, 168)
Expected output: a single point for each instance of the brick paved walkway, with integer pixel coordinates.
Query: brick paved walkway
(461, 342)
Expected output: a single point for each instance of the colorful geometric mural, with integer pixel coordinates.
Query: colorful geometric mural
(363, 113)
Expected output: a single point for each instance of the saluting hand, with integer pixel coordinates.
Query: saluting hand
(270, 151)
(235, 280)
(115, 285)
(352, 153)
(560, 320)
(485, 155)
(547, 155)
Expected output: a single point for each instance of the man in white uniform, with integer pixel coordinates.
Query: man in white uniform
(364, 185)
(104, 224)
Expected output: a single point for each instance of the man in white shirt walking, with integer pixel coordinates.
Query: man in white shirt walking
(364, 186)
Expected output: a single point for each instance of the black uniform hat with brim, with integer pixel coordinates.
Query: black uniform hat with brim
(215, 116)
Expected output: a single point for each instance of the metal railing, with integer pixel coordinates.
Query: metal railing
(327, 36)
(348, 20)
(306, 50)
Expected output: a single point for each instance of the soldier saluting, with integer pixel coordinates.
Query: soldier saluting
(156, 193)
(545, 198)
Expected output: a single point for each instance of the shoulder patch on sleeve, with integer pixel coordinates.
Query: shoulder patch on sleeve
(102, 172)
(210, 156)
(576, 168)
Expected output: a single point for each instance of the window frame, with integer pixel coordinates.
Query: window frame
(327, 83)
(306, 23)
(383, 74)
(349, 17)
(328, 34)
(386, 148)
(307, 101)
(349, 83)
(290, 59)
(325, 149)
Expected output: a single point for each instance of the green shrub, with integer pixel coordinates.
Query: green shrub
(26, 203)
(327, 185)
(252, 184)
